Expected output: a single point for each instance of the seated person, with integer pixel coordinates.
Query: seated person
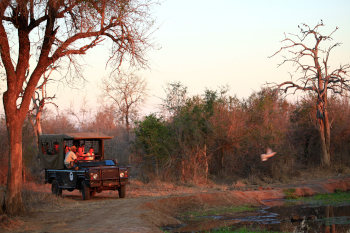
(56, 149)
(43, 150)
(66, 149)
(90, 155)
(83, 146)
(70, 156)
(80, 153)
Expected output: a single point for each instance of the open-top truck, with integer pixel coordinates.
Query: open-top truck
(89, 176)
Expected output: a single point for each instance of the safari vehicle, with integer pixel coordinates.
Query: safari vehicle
(89, 176)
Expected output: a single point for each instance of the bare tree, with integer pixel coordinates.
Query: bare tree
(83, 114)
(316, 76)
(39, 99)
(176, 96)
(128, 91)
(53, 32)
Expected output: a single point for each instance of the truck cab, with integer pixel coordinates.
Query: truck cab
(90, 176)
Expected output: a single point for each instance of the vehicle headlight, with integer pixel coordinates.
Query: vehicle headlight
(93, 175)
(121, 174)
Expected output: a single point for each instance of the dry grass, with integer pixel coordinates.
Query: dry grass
(42, 201)
(159, 188)
(38, 198)
(10, 224)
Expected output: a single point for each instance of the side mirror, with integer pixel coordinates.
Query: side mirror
(116, 162)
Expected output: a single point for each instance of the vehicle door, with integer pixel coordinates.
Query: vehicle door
(69, 178)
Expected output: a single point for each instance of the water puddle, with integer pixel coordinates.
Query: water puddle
(277, 215)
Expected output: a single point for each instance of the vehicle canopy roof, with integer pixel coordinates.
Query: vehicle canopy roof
(75, 136)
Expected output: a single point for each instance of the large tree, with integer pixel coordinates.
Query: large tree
(312, 61)
(51, 32)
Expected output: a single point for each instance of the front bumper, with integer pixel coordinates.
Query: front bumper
(108, 183)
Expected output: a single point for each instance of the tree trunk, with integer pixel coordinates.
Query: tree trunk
(183, 170)
(157, 169)
(327, 133)
(13, 203)
(36, 127)
(35, 131)
(195, 169)
(127, 124)
(324, 132)
(38, 124)
(206, 162)
(14, 121)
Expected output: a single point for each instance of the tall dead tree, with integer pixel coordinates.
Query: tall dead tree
(315, 76)
(52, 32)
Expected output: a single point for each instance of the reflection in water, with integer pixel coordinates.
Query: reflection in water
(298, 219)
(329, 214)
(315, 219)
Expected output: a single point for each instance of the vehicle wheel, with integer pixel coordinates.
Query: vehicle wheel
(85, 190)
(122, 191)
(55, 189)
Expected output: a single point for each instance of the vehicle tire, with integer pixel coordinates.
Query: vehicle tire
(55, 189)
(122, 191)
(92, 193)
(85, 190)
(53, 186)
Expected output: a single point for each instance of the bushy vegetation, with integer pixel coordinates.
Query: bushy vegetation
(219, 137)
(210, 137)
(337, 198)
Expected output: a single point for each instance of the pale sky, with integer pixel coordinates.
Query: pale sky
(207, 43)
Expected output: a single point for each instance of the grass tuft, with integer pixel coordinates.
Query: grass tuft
(337, 198)
(290, 193)
(41, 202)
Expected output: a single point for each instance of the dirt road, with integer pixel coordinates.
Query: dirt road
(103, 213)
(108, 213)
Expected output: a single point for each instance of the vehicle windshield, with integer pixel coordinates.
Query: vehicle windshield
(94, 163)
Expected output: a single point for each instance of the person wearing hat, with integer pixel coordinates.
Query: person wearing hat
(70, 156)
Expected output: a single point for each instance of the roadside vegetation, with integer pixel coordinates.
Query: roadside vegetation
(335, 199)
